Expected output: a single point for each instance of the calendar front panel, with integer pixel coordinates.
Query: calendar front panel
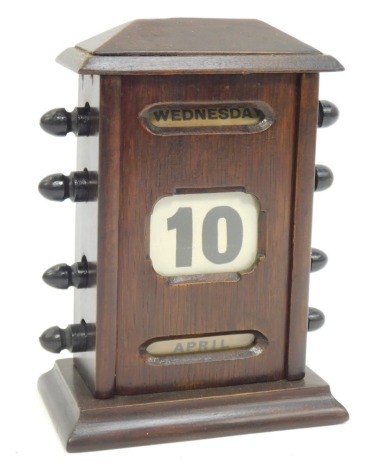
(204, 234)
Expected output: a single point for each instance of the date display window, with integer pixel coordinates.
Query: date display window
(204, 233)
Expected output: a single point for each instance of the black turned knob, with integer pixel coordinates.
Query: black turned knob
(79, 186)
(63, 276)
(328, 114)
(81, 121)
(323, 177)
(76, 338)
(316, 319)
(318, 259)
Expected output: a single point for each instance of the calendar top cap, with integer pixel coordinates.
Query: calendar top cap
(195, 45)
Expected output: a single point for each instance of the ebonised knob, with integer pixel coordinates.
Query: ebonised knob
(63, 276)
(59, 122)
(75, 338)
(316, 319)
(79, 186)
(323, 177)
(328, 114)
(318, 259)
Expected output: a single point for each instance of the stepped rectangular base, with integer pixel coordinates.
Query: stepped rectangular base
(85, 423)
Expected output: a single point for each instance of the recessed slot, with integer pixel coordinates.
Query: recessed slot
(209, 347)
(207, 117)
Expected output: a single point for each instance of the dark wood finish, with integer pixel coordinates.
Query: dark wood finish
(264, 385)
(301, 224)
(186, 45)
(179, 36)
(86, 424)
(264, 164)
(108, 213)
(97, 233)
(150, 306)
(84, 63)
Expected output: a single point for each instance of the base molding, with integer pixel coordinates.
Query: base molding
(85, 423)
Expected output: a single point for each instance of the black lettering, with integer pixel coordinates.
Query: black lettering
(223, 113)
(235, 113)
(212, 114)
(175, 115)
(161, 115)
(203, 114)
(200, 114)
(247, 113)
(187, 114)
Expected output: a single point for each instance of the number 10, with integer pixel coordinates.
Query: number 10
(203, 233)
(182, 221)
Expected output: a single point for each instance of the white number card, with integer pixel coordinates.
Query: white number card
(204, 233)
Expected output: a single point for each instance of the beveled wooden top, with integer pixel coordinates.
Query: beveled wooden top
(195, 45)
(191, 36)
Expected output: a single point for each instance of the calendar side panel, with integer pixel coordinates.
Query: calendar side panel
(96, 235)
(302, 223)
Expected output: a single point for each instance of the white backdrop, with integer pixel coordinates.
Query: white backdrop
(36, 233)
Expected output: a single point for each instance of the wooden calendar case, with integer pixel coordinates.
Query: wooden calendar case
(193, 187)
